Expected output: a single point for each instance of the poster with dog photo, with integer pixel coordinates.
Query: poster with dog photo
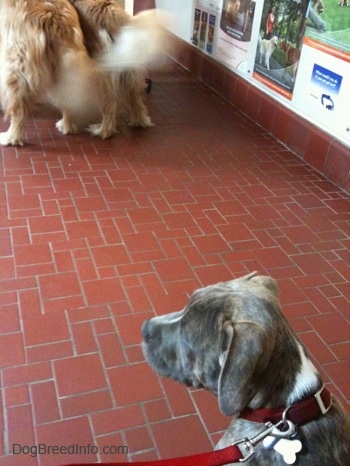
(282, 30)
(235, 32)
(328, 24)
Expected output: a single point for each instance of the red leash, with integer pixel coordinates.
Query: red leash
(227, 455)
(299, 413)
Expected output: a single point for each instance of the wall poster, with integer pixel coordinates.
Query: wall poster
(223, 28)
(328, 27)
(205, 21)
(282, 30)
(235, 33)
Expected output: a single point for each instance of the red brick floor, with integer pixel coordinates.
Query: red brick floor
(98, 235)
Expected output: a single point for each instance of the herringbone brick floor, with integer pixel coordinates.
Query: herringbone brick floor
(98, 235)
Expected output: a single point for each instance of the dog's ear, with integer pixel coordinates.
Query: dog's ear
(262, 280)
(243, 361)
(268, 283)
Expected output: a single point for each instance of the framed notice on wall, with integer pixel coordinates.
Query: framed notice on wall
(322, 90)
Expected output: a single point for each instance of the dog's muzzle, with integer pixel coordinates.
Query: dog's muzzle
(153, 330)
(165, 351)
(159, 343)
(147, 331)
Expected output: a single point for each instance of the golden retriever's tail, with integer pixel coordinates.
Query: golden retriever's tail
(143, 42)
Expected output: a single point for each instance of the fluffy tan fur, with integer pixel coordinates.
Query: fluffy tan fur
(57, 50)
(292, 59)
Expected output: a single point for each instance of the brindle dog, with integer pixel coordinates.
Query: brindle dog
(233, 340)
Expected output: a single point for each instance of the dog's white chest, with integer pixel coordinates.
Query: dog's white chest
(288, 448)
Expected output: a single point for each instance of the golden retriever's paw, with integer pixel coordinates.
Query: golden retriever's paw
(66, 128)
(144, 122)
(6, 139)
(61, 126)
(95, 129)
(99, 130)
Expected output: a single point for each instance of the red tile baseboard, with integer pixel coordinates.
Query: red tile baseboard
(318, 148)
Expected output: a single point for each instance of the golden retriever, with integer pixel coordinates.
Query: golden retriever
(292, 57)
(85, 57)
(267, 47)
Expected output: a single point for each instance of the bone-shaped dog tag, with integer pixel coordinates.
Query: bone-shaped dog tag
(285, 447)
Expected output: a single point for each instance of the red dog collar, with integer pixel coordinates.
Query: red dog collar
(298, 413)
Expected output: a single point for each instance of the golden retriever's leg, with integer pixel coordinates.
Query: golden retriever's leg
(128, 87)
(109, 99)
(67, 125)
(20, 83)
(107, 127)
(16, 108)
(134, 88)
(75, 91)
(14, 136)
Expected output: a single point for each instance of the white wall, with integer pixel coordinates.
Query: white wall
(181, 11)
(129, 6)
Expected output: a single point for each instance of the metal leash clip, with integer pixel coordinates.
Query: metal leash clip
(283, 429)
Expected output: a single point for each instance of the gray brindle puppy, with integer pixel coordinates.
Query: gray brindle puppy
(233, 340)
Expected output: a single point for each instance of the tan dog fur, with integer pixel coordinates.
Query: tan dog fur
(58, 51)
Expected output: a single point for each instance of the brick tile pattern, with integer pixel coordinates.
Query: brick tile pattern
(96, 236)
